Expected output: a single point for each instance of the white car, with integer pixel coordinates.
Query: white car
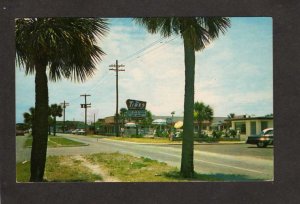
(81, 132)
(75, 131)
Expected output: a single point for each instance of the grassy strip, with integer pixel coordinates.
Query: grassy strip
(124, 167)
(128, 168)
(56, 141)
(145, 140)
(59, 169)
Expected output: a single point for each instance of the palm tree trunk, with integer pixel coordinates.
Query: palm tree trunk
(187, 157)
(40, 136)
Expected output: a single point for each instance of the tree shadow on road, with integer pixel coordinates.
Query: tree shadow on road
(210, 177)
(268, 147)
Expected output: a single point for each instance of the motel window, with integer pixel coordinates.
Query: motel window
(241, 126)
(264, 125)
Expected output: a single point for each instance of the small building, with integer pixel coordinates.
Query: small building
(250, 125)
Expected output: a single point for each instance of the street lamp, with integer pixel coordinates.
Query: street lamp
(172, 113)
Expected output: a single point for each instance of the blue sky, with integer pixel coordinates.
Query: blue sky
(234, 74)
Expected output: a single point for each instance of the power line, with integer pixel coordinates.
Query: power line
(131, 56)
(143, 49)
(125, 59)
(154, 49)
(99, 82)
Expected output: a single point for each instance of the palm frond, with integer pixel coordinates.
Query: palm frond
(66, 45)
(198, 31)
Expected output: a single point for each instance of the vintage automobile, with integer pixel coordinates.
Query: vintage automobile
(75, 131)
(81, 132)
(263, 139)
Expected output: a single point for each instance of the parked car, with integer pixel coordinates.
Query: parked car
(81, 132)
(75, 131)
(263, 139)
(20, 133)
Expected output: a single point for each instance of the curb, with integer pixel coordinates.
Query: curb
(204, 143)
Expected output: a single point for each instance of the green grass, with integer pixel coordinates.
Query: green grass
(59, 169)
(133, 169)
(56, 141)
(123, 167)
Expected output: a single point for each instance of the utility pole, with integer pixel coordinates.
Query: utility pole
(85, 106)
(64, 105)
(117, 70)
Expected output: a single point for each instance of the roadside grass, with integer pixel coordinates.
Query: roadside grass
(133, 169)
(125, 168)
(145, 140)
(56, 141)
(59, 169)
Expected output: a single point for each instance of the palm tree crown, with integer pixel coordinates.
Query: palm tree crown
(29, 116)
(199, 31)
(66, 45)
(203, 112)
(56, 110)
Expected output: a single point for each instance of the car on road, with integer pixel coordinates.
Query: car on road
(20, 132)
(81, 132)
(75, 131)
(263, 139)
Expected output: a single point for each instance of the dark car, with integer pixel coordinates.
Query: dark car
(263, 139)
(20, 132)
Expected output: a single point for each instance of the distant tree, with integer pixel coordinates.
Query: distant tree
(29, 117)
(231, 115)
(123, 115)
(56, 111)
(202, 112)
(148, 119)
(70, 125)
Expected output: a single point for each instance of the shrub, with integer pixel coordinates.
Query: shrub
(136, 136)
(232, 133)
(217, 134)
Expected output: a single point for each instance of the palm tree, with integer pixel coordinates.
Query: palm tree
(147, 121)
(231, 116)
(202, 112)
(196, 32)
(123, 114)
(29, 117)
(56, 111)
(59, 47)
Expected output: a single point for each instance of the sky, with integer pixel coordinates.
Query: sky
(233, 74)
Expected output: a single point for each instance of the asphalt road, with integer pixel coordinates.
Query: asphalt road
(231, 162)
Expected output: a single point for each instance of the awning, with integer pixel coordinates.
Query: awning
(130, 125)
(159, 122)
(178, 124)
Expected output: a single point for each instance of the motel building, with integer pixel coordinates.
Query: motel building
(247, 126)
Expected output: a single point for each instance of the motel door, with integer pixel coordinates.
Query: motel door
(253, 128)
